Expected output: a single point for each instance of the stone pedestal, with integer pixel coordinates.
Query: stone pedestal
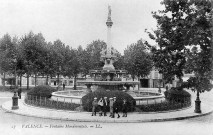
(15, 101)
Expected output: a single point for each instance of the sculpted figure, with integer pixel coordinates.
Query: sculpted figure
(109, 13)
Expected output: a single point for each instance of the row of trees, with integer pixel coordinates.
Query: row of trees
(32, 55)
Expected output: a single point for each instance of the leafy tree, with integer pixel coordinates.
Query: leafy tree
(48, 61)
(137, 60)
(86, 65)
(184, 24)
(119, 64)
(33, 49)
(27, 64)
(76, 64)
(8, 54)
(58, 56)
(94, 50)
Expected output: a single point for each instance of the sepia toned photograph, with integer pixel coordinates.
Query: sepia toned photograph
(106, 67)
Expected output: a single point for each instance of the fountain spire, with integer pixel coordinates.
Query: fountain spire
(108, 55)
(109, 25)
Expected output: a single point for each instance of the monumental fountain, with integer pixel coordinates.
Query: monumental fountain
(108, 79)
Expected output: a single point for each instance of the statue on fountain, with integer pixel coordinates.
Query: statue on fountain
(109, 13)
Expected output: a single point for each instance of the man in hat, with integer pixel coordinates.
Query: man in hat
(94, 106)
(124, 109)
(105, 106)
(115, 108)
(111, 106)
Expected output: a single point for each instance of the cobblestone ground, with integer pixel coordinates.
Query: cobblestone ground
(12, 124)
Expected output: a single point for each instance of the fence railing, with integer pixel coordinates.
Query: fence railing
(48, 103)
(146, 106)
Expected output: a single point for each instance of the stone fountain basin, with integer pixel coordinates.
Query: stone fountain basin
(141, 97)
(147, 97)
(71, 96)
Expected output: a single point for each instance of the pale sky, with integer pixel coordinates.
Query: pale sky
(79, 22)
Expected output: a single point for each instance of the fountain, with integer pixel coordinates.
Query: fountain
(108, 76)
(107, 79)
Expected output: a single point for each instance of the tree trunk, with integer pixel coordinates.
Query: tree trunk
(20, 81)
(4, 80)
(159, 86)
(47, 80)
(139, 83)
(35, 79)
(58, 80)
(27, 81)
(75, 88)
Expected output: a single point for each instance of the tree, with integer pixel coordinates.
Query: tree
(182, 25)
(8, 55)
(119, 64)
(48, 60)
(94, 49)
(33, 49)
(84, 59)
(58, 56)
(137, 60)
(76, 65)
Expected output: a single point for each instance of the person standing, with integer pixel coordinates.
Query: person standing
(124, 109)
(94, 106)
(19, 93)
(105, 104)
(115, 108)
(100, 104)
(63, 86)
(111, 107)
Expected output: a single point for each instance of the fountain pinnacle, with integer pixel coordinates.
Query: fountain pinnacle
(108, 55)
(109, 25)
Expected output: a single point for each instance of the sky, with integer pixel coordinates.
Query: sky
(79, 22)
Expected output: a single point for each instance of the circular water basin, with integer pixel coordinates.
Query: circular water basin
(142, 97)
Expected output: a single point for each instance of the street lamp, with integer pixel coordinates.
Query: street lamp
(197, 103)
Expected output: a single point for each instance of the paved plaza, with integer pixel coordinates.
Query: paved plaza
(134, 117)
(13, 123)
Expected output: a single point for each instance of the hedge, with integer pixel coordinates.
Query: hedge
(177, 95)
(87, 99)
(41, 91)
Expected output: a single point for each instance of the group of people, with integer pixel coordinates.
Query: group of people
(103, 104)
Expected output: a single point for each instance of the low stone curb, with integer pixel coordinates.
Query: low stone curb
(108, 121)
(90, 112)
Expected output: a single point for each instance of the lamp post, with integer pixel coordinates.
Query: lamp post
(15, 96)
(197, 103)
